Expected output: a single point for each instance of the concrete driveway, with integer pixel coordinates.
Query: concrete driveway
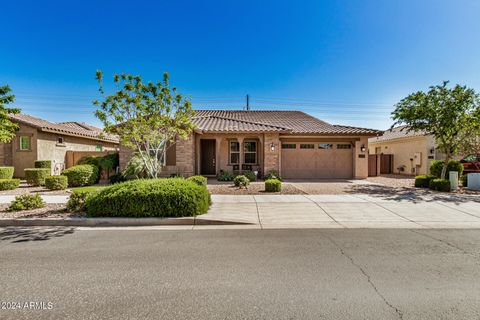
(346, 211)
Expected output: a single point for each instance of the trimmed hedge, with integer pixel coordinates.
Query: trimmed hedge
(6, 172)
(436, 167)
(9, 184)
(241, 181)
(36, 176)
(27, 202)
(273, 185)
(56, 182)
(172, 197)
(440, 185)
(423, 181)
(273, 174)
(200, 180)
(81, 175)
(43, 164)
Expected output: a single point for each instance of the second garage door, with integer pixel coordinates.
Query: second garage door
(317, 160)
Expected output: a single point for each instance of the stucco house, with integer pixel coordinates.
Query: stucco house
(39, 139)
(296, 144)
(408, 153)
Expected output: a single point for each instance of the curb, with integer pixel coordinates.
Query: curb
(111, 222)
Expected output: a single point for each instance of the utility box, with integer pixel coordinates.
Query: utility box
(474, 181)
(453, 177)
(417, 159)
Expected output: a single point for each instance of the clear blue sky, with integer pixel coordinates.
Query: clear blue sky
(346, 62)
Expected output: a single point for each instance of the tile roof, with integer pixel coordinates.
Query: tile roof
(294, 122)
(68, 128)
(400, 132)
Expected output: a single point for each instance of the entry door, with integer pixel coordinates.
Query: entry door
(207, 158)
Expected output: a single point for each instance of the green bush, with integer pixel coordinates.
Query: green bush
(116, 178)
(78, 199)
(200, 180)
(36, 176)
(273, 185)
(225, 176)
(273, 174)
(27, 202)
(81, 175)
(6, 172)
(464, 180)
(440, 185)
(250, 175)
(56, 182)
(9, 184)
(423, 181)
(241, 181)
(172, 197)
(106, 163)
(46, 164)
(436, 167)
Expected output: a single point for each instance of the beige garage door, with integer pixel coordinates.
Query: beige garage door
(317, 160)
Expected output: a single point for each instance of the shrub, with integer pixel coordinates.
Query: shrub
(106, 163)
(225, 176)
(423, 181)
(27, 202)
(175, 175)
(81, 175)
(6, 172)
(172, 197)
(273, 174)
(200, 180)
(436, 167)
(464, 180)
(46, 164)
(440, 185)
(250, 175)
(78, 199)
(273, 185)
(9, 184)
(36, 176)
(56, 182)
(241, 181)
(116, 178)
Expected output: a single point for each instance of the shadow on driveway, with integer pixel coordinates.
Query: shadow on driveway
(20, 234)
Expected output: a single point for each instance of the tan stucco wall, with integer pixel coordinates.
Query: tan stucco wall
(24, 159)
(405, 149)
(360, 159)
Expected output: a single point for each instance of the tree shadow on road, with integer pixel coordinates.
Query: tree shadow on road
(23, 234)
(411, 194)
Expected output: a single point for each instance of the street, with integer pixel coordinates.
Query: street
(240, 274)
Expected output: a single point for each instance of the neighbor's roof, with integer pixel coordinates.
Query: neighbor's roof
(400, 132)
(68, 128)
(294, 122)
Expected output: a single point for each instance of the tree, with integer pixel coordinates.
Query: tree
(147, 117)
(7, 127)
(448, 114)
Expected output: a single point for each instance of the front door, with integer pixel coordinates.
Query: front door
(207, 157)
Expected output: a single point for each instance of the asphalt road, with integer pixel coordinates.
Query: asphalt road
(241, 274)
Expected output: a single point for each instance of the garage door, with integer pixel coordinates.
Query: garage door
(317, 160)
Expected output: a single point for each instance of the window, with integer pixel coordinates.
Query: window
(98, 147)
(24, 143)
(60, 140)
(234, 152)
(344, 146)
(289, 146)
(307, 146)
(250, 152)
(325, 146)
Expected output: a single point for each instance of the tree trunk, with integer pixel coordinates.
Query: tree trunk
(445, 166)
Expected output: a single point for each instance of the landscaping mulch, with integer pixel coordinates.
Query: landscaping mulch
(253, 188)
(49, 211)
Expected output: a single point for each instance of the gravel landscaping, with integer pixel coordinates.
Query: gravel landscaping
(257, 187)
(25, 188)
(49, 211)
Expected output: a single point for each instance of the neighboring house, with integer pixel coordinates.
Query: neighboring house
(291, 142)
(402, 152)
(39, 139)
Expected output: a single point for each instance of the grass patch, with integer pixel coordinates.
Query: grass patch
(88, 189)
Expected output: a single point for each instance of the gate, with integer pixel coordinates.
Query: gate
(386, 163)
(372, 165)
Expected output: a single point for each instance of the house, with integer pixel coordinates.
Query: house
(401, 152)
(39, 139)
(296, 144)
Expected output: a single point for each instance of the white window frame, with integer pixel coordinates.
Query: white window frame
(20, 143)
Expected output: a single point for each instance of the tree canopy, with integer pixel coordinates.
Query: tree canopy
(147, 117)
(449, 114)
(7, 127)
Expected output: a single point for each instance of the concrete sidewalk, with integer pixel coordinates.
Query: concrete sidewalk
(344, 211)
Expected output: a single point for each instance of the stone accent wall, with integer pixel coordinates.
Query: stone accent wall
(271, 158)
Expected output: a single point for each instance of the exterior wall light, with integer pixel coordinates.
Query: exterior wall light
(362, 148)
(272, 147)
